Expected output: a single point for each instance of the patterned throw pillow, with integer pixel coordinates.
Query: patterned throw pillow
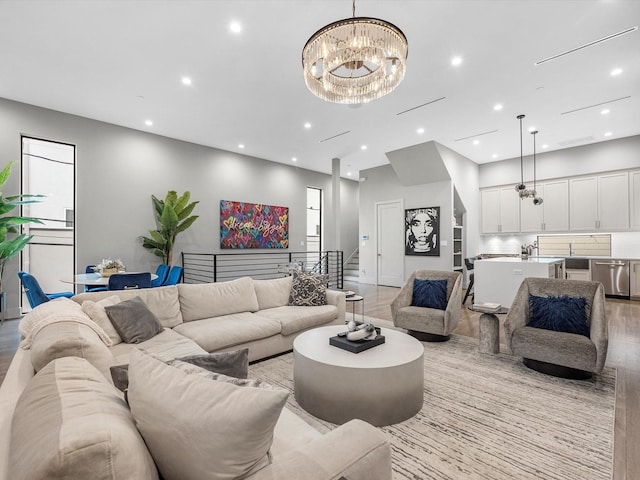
(308, 290)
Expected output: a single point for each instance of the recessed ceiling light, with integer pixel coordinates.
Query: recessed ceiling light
(241, 145)
(497, 106)
(307, 125)
(294, 159)
(363, 147)
(605, 111)
(455, 61)
(148, 123)
(348, 174)
(531, 129)
(495, 155)
(608, 134)
(616, 71)
(476, 142)
(545, 146)
(235, 27)
(421, 131)
(186, 80)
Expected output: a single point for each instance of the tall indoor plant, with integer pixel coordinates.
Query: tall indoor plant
(172, 217)
(9, 223)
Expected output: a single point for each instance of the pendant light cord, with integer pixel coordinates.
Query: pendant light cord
(534, 158)
(520, 117)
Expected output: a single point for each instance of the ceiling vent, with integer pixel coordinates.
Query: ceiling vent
(334, 136)
(587, 45)
(596, 105)
(420, 106)
(476, 135)
(575, 141)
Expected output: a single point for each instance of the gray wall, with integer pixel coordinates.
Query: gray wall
(118, 169)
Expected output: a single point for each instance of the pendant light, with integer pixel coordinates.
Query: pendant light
(536, 200)
(521, 188)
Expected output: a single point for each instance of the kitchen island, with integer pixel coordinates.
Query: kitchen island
(496, 280)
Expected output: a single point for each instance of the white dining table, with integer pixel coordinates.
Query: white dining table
(94, 279)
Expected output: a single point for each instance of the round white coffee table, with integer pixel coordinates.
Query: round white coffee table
(382, 385)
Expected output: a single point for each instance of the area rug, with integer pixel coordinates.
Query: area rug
(489, 417)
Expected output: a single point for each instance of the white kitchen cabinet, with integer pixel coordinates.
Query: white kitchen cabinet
(634, 274)
(634, 200)
(500, 210)
(583, 202)
(553, 214)
(599, 203)
(572, 274)
(613, 201)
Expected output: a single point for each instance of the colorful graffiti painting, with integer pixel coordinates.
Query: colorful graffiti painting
(253, 225)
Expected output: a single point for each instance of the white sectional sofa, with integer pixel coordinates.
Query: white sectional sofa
(47, 412)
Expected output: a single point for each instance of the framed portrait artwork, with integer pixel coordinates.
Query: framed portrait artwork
(422, 231)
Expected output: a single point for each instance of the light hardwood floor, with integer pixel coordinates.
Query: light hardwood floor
(624, 355)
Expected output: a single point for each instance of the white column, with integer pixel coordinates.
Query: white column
(335, 192)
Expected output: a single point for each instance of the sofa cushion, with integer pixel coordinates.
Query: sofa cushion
(198, 428)
(295, 319)
(308, 289)
(220, 332)
(97, 313)
(59, 306)
(191, 369)
(162, 301)
(206, 300)
(272, 293)
(71, 423)
(69, 339)
(133, 321)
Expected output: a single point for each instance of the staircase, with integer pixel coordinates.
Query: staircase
(351, 269)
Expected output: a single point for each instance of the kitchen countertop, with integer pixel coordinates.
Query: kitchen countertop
(522, 260)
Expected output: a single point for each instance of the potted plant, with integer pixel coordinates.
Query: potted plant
(172, 217)
(11, 245)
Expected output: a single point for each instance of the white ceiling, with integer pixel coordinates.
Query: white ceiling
(122, 62)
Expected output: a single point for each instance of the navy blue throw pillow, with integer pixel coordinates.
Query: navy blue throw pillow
(429, 294)
(561, 314)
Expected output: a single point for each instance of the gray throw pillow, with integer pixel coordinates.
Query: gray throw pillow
(133, 321)
(231, 364)
(308, 290)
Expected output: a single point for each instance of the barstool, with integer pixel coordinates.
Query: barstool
(468, 262)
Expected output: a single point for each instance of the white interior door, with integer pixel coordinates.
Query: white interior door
(390, 243)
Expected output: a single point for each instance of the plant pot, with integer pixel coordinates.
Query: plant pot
(107, 272)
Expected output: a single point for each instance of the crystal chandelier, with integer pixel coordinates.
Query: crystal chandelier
(355, 60)
(521, 188)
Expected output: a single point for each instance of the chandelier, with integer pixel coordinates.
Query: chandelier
(521, 188)
(355, 60)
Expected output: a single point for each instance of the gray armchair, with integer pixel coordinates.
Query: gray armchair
(561, 354)
(428, 324)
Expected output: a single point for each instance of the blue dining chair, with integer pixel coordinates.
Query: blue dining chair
(175, 274)
(162, 272)
(92, 288)
(128, 281)
(34, 291)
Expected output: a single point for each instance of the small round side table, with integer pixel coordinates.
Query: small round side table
(353, 299)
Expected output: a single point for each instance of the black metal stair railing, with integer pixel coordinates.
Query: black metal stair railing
(220, 267)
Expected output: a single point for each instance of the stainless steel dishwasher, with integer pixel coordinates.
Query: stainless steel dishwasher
(613, 274)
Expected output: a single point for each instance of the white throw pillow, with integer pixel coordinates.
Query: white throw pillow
(199, 428)
(97, 313)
